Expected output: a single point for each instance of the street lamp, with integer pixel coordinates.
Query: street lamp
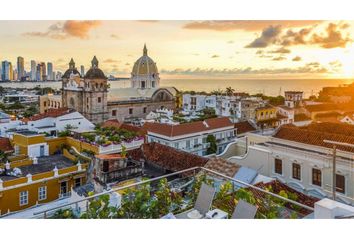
(335, 144)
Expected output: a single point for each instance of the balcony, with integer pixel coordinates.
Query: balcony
(64, 195)
(114, 148)
(135, 169)
(157, 197)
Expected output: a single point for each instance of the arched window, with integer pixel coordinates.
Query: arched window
(96, 85)
(72, 103)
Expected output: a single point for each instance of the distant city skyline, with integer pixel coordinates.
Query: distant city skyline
(239, 49)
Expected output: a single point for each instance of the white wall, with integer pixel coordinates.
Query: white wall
(262, 158)
(34, 150)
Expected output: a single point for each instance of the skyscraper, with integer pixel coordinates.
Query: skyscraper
(50, 71)
(43, 71)
(82, 71)
(20, 68)
(40, 72)
(33, 70)
(6, 71)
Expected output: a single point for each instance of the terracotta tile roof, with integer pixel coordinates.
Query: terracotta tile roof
(116, 124)
(301, 117)
(111, 123)
(223, 166)
(243, 127)
(5, 145)
(167, 157)
(188, 128)
(51, 113)
(315, 133)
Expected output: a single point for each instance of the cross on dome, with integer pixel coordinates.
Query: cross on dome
(145, 51)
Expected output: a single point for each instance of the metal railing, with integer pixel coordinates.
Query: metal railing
(194, 169)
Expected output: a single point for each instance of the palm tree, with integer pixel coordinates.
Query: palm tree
(230, 91)
(3, 156)
(217, 92)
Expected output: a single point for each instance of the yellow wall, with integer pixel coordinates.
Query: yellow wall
(271, 114)
(10, 198)
(22, 140)
(55, 144)
(80, 146)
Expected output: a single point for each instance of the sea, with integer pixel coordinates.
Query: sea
(270, 87)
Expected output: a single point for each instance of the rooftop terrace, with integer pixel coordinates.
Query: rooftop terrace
(154, 198)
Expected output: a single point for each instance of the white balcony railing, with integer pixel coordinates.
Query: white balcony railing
(116, 148)
(64, 195)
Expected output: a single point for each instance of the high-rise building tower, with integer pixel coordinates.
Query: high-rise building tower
(5, 71)
(33, 70)
(40, 72)
(82, 70)
(44, 71)
(11, 72)
(50, 71)
(20, 68)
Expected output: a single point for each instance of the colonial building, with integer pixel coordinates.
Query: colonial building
(299, 157)
(89, 94)
(192, 137)
(49, 101)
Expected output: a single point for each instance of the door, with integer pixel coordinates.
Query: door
(41, 151)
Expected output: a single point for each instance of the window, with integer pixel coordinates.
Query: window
(340, 183)
(278, 166)
(296, 171)
(316, 177)
(177, 145)
(42, 193)
(77, 182)
(130, 111)
(45, 104)
(63, 187)
(114, 112)
(99, 99)
(23, 198)
(188, 144)
(144, 110)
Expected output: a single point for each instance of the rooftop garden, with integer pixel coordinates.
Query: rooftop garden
(105, 136)
(155, 200)
(202, 115)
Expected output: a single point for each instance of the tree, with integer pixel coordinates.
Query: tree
(99, 209)
(3, 156)
(230, 91)
(212, 147)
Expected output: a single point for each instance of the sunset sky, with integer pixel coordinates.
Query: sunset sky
(235, 49)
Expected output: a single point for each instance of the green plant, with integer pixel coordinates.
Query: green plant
(212, 147)
(3, 156)
(99, 209)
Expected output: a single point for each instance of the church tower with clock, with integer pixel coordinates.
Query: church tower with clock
(86, 94)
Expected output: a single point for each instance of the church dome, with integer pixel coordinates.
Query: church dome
(144, 65)
(94, 71)
(72, 70)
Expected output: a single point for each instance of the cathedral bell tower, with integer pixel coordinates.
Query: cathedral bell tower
(95, 94)
(88, 94)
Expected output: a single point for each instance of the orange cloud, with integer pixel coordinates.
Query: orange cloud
(333, 37)
(247, 25)
(70, 28)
